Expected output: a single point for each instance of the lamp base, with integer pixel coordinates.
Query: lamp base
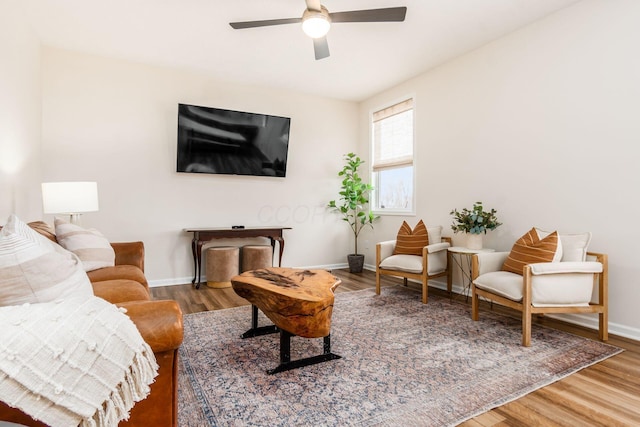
(74, 218)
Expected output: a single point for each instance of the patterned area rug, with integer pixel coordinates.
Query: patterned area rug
(403, 363)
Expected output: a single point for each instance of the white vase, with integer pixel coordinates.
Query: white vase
(474, 241)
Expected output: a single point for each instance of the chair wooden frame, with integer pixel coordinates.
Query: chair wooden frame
(527, 309)
(422, 277)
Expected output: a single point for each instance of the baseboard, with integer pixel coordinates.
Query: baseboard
(591, 322)
(170, 282)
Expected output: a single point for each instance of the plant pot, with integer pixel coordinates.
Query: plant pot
(356, 262)
(474, 241)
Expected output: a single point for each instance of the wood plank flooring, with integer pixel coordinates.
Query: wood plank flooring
(605, 394)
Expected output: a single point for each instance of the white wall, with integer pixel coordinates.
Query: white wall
(115, 122)
(541, 125)
(19, 115)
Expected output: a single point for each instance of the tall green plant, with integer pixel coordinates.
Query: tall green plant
(354, 197)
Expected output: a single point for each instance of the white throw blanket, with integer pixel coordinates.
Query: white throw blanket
(73, 362)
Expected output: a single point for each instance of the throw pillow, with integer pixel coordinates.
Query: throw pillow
(530, 249)
(435, 234)
(574, 246)
(33, 269)
(93, 249)
(411, 242)
(45, 229)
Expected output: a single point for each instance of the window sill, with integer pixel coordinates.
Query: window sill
(393, 212)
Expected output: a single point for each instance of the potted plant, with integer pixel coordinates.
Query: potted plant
(474, 222)
(353, 205)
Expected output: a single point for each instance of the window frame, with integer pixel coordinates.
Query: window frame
(374, 177)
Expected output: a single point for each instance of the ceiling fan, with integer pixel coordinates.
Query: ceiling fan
(316, 22)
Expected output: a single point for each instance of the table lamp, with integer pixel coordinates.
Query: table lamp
(71, 198)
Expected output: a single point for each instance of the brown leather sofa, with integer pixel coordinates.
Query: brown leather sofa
(159, 323)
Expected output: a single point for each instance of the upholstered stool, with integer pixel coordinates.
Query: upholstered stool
(255, 257)
(222, 264)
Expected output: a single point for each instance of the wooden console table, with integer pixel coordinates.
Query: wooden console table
(203, 235)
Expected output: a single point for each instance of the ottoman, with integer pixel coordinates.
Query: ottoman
(222, 265)
(255, 257)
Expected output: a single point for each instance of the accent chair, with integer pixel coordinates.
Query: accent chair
(575, 282)
(432, 262)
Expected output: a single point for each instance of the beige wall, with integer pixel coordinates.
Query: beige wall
(541, 125)
(115, 122)
(19, 115)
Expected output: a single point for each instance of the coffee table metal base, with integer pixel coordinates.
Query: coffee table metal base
(256, 330)
(286, 363)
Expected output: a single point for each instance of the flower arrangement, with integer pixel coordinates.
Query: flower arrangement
(474, 221)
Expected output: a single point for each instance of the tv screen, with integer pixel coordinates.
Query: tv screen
(217, 141)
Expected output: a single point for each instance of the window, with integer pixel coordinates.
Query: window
(392, 165)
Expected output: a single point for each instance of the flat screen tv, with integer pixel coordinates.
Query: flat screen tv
(218, 141)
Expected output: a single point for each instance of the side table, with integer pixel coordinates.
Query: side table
(461, 256)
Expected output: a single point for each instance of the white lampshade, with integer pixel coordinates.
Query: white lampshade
(70, 198)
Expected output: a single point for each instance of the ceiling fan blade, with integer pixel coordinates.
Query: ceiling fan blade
(389, 14)
(321, 47)
(314, 5)
(266, 23)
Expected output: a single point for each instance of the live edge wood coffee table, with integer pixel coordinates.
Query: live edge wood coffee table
(298, 302)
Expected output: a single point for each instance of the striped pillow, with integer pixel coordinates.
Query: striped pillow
(530, 249)
(411, 242)
(93, 249)
(44, 229)
(33, 269)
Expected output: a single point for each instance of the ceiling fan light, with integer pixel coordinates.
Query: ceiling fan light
(316, 24)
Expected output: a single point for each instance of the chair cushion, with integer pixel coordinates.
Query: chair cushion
(33, 269)
(503, 283)
(411, 242)
(93, 249)
(530, 249)
(408, 263)
(574, 246)
(566, 267)
(437, 247)
(437, 263)
(566, 289)
(120, 290)
(123, 271)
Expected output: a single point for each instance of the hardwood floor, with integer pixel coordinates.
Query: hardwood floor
(605, 394)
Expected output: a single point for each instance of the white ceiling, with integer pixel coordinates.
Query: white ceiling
(365, 57)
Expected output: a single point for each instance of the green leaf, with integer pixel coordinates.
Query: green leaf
(354, 196)
(475, 220)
